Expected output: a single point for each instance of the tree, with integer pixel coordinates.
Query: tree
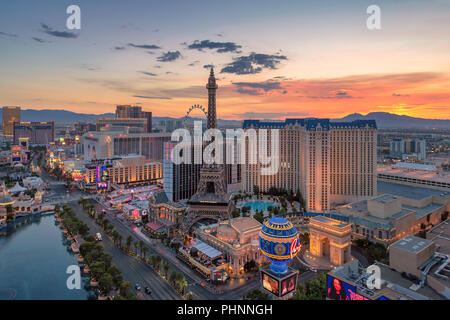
(259, 216)
(250, 266)
(315, 289)
(256, 295)
(166, 267)
(106, 283)
(136, 246)
(182, 284)
(129, 241)
(116, 275)
(141, 246)
(256, 190)
(144, 250)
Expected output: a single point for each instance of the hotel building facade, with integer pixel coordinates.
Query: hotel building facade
(128, 171)
(330, 163)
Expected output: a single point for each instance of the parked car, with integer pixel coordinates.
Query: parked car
(137, 287)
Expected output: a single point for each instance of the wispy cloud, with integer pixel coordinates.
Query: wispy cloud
(8, 34)
(40, 40)
(148, 73)
(152, 98)
(269, 115)
(253, 63)
(169, 56)
(144, 46)
(60, 34)
(258, 88)
(220, 47)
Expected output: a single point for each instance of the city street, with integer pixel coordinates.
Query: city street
(132, 269)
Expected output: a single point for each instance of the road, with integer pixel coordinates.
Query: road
(138, 272)
(132, 269)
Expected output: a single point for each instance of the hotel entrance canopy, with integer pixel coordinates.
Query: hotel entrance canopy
(206, 249)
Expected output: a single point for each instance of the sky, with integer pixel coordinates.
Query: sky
(272, 59)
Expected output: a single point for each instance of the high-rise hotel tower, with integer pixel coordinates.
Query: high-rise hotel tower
(330, 163)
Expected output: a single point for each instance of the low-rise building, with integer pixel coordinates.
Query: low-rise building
(417, 271)
(390, 217)
(415, 175)
(238, 239)
(167, 214)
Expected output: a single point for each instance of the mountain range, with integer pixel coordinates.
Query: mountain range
(383, 119)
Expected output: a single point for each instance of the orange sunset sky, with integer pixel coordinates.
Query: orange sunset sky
(273, 59)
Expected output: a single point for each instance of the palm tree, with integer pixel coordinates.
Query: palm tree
(141, 245)
(119, 239)
(182, 284)
(144, 250)
(129, 241)
(136, 246)
(166, 267)
(115, 236)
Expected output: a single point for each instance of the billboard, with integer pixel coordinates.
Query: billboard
(341, 290)
(288, 285)
(279, 285)
(270, 284)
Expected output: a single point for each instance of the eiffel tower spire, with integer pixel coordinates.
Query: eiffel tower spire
(212, 87)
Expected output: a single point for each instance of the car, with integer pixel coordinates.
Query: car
(147, 290)
(137, 287)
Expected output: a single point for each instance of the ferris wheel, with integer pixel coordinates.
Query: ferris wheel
(192, 109)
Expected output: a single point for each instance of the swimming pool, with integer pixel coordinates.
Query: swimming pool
(260, 205)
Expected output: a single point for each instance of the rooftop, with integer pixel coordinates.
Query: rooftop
(329, 221)
(412, 244)
(440, 234)
(243, 224)
(311, 124)
(385, 198)
(409, 191)
(414, 173)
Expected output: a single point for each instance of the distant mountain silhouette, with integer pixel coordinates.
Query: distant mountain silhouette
(391, 120)
(383, 119)
(63, 116)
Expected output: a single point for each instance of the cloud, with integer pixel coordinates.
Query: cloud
(193, 64)
(144, 46)
(148, 73)
(257, 88)
(89, 67)
(220, 47)
(169, 56)
(208, 66)
(119, 48)
(60, 34)
(253, 63)
(8, 34)
(269, 115)
(40, 40)
(400, 95)
(153, 98)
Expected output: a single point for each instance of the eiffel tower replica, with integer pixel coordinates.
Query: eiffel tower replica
(211, 201)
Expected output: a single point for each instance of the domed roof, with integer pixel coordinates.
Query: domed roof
(226, 233)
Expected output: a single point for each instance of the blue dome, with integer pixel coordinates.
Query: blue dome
(279, 242)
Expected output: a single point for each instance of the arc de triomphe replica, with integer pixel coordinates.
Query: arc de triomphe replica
(330, 237)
